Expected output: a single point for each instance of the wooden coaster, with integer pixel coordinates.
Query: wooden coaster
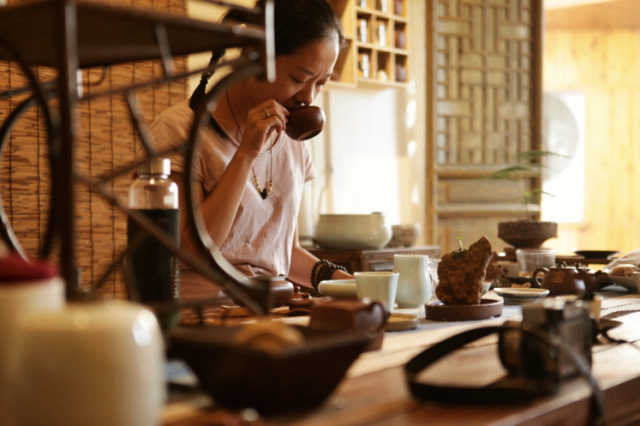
(437, 311)
(397, 322)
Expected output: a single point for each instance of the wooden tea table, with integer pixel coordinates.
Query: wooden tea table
(374, 390)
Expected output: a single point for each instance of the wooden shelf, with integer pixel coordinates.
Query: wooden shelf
(378, 53)
(109, 34)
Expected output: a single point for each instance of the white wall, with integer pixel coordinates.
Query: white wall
(372, 155)
(564, 121)
(364, 152)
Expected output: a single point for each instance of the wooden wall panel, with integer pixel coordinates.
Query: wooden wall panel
(483, 68)
(605, 66)
(105, 140)
(484, 109)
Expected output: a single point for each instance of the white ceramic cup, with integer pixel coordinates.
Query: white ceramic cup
(378, 286)
(93, 363)
(17, 300)
(414, 283)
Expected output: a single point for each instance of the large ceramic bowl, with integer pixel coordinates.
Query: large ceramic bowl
(353, 231)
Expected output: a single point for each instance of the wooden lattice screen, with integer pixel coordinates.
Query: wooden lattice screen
(105, 140)
(484, 97)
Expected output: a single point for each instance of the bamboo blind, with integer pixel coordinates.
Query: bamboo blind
(105, 140)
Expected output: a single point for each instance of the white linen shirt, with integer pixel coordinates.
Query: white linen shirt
(262, 234)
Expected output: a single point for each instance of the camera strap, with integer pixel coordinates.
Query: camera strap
(508, 389)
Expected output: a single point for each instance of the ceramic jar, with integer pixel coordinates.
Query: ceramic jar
(92, 363)
(414, 283)
(16, 301)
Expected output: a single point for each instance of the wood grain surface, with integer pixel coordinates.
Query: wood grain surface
(375, 391)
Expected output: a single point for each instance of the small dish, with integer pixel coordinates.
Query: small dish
(338, 288)
(631, 283)
(398, 322)
(596, 254)
(520, 296)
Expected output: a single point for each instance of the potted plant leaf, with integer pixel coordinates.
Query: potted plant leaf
(527, 232)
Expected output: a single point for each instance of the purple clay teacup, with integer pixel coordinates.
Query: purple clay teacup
(305, 122)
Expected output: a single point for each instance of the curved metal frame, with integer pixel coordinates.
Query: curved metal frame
(231, 275)
(252, 292)
(38, 97)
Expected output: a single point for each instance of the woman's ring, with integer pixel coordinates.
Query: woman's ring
(266, 111)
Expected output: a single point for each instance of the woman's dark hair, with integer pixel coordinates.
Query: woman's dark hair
(297, 23)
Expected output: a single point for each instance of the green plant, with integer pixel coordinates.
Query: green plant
(527, 162)
(461, 252)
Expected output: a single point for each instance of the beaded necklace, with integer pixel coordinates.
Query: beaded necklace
(264, 192)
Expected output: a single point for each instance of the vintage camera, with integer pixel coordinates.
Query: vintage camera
(539, 347)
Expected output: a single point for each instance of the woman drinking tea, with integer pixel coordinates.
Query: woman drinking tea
(250, 172)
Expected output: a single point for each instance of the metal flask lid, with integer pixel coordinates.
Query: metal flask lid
(155, 166)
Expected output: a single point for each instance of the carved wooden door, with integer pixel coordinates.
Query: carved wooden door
(484, 107)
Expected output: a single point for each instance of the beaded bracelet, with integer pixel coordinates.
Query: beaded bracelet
(323, 270)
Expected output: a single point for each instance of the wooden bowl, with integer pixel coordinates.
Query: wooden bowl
(527, 233)
(297, 378)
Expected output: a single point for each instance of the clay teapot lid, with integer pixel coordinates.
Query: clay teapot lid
(563, 265)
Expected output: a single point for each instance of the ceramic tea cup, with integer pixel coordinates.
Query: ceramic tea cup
(305, 122)
(378, 286)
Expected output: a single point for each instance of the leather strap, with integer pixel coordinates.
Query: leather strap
(507, 389)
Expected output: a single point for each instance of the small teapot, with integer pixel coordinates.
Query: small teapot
(352, 314)
(591, 278)
(563, 279)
